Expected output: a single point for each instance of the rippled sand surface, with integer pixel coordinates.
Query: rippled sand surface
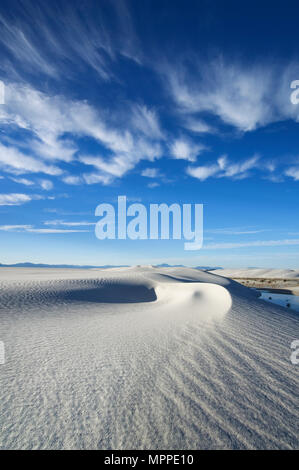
(145, 358)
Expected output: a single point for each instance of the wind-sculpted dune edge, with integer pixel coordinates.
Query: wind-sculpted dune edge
(146, 358)
(210, 298)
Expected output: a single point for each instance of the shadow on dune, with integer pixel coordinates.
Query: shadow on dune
(111, 294)
(95, 292)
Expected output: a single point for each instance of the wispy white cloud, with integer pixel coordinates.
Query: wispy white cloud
(50, 230)
(293, 172)
(235, 231)
(203, 172)
(95, 177)
(61, 212)
(257, 243)
(46, 184)
(14, 199)
(198, 126)
(153, 185)
(14, 161)
(222, 168)
(44, 119)
(246, 97)
(239, 169)
(122, 161)
(31, 229)
(151, 173)
(47, 119)
(23, 181)
(147, 122)
(77, 35)
(72, 179)
(14, 228)
(185, 149)
(53, 124)
(41, 183)
(68, 224)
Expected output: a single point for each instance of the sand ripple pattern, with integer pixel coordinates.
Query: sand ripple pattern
(144, 358)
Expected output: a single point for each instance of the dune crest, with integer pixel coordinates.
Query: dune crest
(204, 299)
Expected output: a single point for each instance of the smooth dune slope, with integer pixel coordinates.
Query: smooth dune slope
(146, 358)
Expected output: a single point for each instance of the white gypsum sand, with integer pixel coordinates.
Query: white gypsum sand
(143, 358)
(258, 273)
(277, 280)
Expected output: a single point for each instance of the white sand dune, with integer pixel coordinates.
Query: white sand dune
(143, 358)
(259, 273)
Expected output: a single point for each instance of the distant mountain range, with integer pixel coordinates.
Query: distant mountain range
(204, 268)
(165, 265)
(65, 266)
(106, 266)
(208, 268)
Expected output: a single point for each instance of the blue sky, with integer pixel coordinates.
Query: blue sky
(161, 101)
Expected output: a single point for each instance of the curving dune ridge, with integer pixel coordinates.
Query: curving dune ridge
(148, 358)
